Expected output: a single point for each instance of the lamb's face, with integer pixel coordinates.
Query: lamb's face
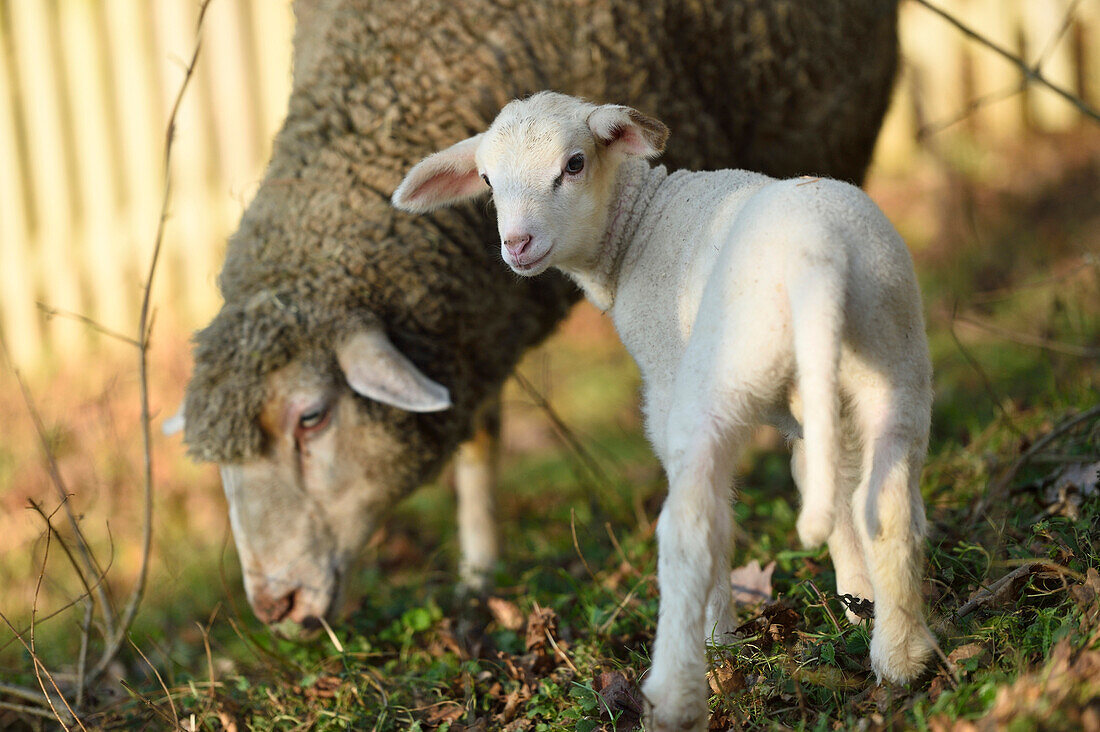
(550, 182)
(551, 162)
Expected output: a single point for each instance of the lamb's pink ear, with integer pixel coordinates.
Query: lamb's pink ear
(628, 131)
(443, 179)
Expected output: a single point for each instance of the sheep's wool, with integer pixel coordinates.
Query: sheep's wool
(378, 85)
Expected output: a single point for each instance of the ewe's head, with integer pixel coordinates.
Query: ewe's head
(550, 161)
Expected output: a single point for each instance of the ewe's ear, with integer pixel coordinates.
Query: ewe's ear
(174, 424)
(375, 369)
(628, 131)
(442, 179)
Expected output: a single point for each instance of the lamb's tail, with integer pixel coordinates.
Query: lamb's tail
(817, 314)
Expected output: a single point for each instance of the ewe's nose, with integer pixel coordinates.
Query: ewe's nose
(517, 244)
(272, 610)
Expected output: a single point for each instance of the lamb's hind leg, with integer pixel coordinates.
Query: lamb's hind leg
(889, 516)
(845, 546)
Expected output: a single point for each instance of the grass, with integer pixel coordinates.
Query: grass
(568, 635)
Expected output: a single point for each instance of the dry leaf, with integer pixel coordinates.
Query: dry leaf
(751, 584)
(540, 622)
(725, 679)
(506, 613)
(618, 696)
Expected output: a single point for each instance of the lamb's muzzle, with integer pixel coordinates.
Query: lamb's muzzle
(745, 300)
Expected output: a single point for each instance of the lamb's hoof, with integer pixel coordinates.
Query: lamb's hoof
(902, 660)
(814, 527)
(675, 707)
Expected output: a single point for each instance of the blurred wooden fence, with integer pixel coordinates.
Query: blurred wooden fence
(84, 91)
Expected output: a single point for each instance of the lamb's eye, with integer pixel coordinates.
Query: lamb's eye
(575, 164)
(486, 179)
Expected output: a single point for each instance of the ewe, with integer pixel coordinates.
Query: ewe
(745, 300)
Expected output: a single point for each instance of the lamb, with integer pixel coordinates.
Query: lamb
(327, 289)
(744, 299)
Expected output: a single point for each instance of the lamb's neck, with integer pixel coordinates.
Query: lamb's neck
(632, 192)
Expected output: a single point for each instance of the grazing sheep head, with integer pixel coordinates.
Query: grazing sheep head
(551, 162)
(333, 461)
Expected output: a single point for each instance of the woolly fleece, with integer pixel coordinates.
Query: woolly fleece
(784, 86)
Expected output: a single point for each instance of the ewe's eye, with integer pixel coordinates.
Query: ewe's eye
(313, 420)
(486, 179)
(575, 164)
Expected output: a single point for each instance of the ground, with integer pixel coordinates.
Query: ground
(1010, 274)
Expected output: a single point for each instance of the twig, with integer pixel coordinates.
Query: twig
(91, 565)
(1003, 293)
(825, 604)
(114, 643)
(998, 487)
(1070, 349)
(163, 686)
(564, 432)
(27, 709)
(51, 312)
(576, 544)
(560, 652)
(1033, 74)
(39, 667)
(991, 592)
(975, 104)
(86, 626)
(986, 383)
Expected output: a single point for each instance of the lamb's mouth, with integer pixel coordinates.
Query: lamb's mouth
(528, 267)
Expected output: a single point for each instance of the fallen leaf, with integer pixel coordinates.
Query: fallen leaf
(1066, 489)
(445, 713)
(540, 622)
(751, 584)
(980, 651)
(619, 699)
(725, 679)
(506, 613)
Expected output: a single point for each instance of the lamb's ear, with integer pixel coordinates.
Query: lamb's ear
(628, 131)
(443, 179)
(375, 369)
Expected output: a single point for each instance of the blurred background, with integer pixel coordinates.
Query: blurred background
(992, 181)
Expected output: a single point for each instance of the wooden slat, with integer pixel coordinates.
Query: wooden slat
(18, 317)
(51, 240)
(112, 303)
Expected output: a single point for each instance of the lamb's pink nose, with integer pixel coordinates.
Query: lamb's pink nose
(517, 244)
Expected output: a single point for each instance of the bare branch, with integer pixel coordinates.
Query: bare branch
(114, 643)
(51, 312)
(1031, 73)
(1024, 339)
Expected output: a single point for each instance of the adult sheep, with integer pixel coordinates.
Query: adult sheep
(357, 345)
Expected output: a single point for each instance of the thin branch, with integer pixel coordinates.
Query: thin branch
(114, 643)
(160, 680)
(986, 383)
(26, 709)
(563, 431)
(1029, 72)
(998, 488)
(1024, 339)
(87, 556)
(51, 312)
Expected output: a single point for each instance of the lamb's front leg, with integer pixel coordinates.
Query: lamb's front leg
(693, 536)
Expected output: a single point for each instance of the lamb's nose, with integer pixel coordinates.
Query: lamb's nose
(517, 244)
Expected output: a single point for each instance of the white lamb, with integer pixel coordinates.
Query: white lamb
(744, 300)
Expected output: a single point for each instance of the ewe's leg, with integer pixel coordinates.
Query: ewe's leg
(475, 481)
(890, 520)
(845, 546)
